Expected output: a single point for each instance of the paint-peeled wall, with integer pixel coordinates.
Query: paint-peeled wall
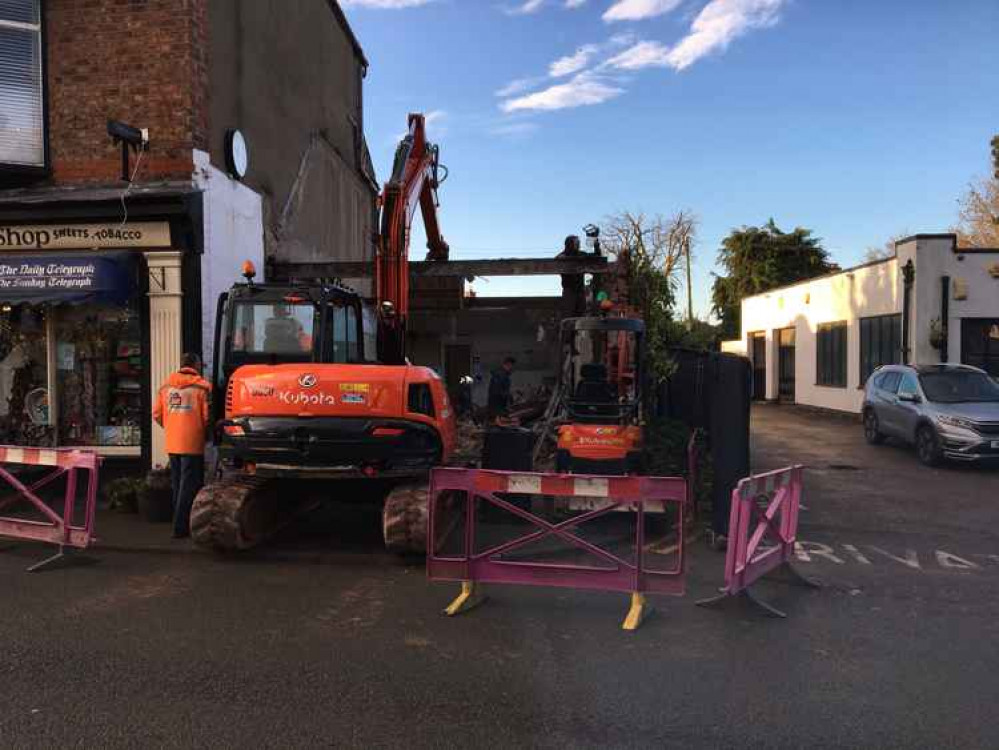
(233, 234)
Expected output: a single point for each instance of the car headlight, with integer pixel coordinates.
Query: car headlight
(965, 424)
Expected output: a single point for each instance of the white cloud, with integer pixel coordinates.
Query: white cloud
(573, 63)
(637, 10)
(525, 8)
(571, 4)
(581, 90)
(384, 4)
(518, 86)
(435, 115)
(641, 55)
(718, 23)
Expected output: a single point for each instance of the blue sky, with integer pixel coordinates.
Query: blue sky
(855, 118)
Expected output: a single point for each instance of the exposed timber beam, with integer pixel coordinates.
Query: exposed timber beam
(453, 268)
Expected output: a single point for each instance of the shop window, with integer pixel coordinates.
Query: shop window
(99, 374)
(25, 416)
(831, 354)
(22, 119)
(880, 343)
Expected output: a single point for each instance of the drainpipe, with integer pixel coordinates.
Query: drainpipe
(908, 277)
(944, 316)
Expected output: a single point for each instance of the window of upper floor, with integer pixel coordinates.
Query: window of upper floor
(22, 100)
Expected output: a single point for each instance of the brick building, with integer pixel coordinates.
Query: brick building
(253, 113)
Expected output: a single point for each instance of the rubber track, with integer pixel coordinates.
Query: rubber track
(217, 514)
(404, 519)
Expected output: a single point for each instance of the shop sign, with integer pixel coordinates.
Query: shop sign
(84, 236)
(53, 277)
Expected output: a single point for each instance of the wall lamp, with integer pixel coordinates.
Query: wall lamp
(129, 137)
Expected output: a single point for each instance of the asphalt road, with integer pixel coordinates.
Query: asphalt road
(308, 646)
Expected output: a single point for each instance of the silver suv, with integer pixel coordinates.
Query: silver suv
(944, 410)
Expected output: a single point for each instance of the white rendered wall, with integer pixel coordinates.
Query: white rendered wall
(868, 291)
(234, 232)
(933, 258)
(862, 292)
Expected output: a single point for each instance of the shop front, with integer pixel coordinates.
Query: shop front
(91, 322)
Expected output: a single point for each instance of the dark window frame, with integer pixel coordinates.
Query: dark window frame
(14, 173)
(831, 354)
(869, 362)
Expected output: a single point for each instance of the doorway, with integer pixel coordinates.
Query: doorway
(980, 344)
(758, 356)
(785, 338)
(457, 365)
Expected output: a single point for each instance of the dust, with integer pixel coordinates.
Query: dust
(132, 589)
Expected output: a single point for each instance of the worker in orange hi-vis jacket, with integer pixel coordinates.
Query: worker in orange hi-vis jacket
(182, 409)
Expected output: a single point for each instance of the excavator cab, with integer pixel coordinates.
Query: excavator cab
(272, 324)
(601, 387)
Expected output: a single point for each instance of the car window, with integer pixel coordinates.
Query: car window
(908, 384)
(959, 387)
(889, 381)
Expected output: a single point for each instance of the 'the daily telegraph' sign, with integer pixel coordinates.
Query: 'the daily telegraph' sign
(44, 277)
(48, 275)
(84, 236)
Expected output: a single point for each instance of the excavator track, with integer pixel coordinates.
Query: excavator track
(239, 512)
(404, 519)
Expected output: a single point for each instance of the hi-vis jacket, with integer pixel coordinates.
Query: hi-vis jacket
(182, 408)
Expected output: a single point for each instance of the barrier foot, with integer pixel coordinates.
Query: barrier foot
(768, 608)
(65, 556)
(713, 600)
(469, 598)
(640, 609)
(793, 575)
(744, 594)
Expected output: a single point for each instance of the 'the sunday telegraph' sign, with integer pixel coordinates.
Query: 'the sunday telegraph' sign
(84, 236)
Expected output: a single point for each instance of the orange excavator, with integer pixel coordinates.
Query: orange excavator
(304, 410)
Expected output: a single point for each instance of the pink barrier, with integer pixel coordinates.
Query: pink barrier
(763, 528)
(487, 566)
(54, 529)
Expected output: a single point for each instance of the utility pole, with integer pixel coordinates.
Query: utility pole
(690, 285)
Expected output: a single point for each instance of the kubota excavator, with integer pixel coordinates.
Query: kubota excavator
(301, 405)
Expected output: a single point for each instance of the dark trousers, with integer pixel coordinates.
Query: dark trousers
(187, 476)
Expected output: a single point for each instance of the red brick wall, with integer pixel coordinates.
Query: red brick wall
(143, 62)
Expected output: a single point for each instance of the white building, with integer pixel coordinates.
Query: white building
(816, 342)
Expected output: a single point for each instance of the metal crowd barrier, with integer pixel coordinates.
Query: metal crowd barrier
(50, 528)
(455, 490)
(763, 528)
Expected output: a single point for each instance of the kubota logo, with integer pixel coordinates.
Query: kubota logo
(308, 380)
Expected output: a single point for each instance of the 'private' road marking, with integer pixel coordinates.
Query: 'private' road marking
(808, 552)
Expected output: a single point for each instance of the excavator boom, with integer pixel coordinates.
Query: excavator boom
(414, 182)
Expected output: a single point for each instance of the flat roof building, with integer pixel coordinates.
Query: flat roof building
(816, 342)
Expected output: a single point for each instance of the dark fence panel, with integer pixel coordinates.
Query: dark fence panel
(713, 392)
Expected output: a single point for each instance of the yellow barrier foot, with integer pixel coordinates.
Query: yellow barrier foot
(469, 598)
(640, 609)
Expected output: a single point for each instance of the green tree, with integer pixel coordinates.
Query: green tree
(757, 259)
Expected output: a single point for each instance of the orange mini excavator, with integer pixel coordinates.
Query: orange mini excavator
(302, 406)
(601, 396)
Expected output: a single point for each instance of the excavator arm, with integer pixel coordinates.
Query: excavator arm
(414, 182)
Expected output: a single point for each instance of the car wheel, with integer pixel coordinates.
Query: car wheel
(927, 446)
(872, 429)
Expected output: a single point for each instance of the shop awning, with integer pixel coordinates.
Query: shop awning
(107, 278)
